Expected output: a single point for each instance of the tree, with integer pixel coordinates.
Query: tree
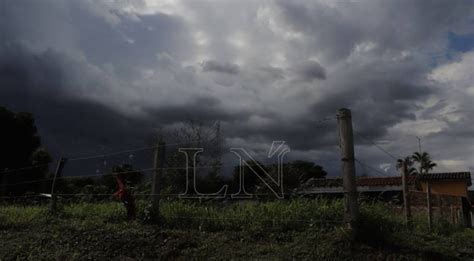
(424, 162)
(193, 134)
(306, 170)
(295, 174)
(41, 159)
(408, 164)
(251, 180)
(19, 139)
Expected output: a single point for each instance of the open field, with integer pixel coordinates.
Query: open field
(302, 229)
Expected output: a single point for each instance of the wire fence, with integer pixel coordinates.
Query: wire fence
(374, 171)
(347, 159)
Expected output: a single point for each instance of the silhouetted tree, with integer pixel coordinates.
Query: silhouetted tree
(19, 140)
(251, 180)
(193, 134)
(41, 159)
(306, 170)
(408, 161)
(424, 162)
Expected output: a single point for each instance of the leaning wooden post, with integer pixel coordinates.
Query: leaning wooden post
(158, 165)
(428, 202)
(344, 120)
(406, 196)
(57, 173)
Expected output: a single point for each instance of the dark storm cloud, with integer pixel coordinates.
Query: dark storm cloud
(299, 135)
(215, 66)
(377, 103)
(131, 45)
(205, 109)
(36, 83)
(310, 70)
(106, 73)
(69, 125)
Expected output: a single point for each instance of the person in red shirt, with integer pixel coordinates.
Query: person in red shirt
(125, 196)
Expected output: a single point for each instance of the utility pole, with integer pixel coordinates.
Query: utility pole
(158, 165)
(344, 120)
(419, 144)
(430, 210)
(406, 196)
(57, 173)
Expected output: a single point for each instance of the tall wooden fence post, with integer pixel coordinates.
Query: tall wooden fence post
(406, 196)
(344, 120)
(428, 203)
(158, 165)
(57, 174)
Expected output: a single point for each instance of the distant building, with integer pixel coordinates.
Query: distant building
(451, 183)
(449, 190)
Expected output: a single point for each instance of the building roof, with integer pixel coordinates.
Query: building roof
(389, 181)
(360, 181)
(383, 181)
(466, 176)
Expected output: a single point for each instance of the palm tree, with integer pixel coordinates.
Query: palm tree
(408, 164)
(424, 161)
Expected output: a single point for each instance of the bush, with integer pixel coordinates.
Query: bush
(377, 223)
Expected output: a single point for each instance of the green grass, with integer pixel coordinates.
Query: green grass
(301, 229)
(276, 215)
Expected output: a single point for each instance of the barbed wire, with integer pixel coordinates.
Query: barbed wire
(78, 176)
(329, 118)
(376, 145)
(382, 174)
(16, 170)
(112, 173)
(100, 155)
(103, 155)
(113, 153)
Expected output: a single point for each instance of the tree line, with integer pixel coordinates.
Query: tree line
(22, 148)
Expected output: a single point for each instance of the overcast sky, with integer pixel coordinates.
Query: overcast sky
(101, 75)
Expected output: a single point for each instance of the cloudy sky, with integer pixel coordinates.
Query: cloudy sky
(101, 75)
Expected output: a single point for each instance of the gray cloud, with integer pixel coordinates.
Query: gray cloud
(310, 70)
(215, 66)
(107, 73)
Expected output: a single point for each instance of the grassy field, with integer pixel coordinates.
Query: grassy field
(297, 229)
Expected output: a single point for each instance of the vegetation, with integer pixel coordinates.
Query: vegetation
(422, 159)
(424, 162)
(88, 225)
(21, 148)
(407, 163)
(301, 229)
